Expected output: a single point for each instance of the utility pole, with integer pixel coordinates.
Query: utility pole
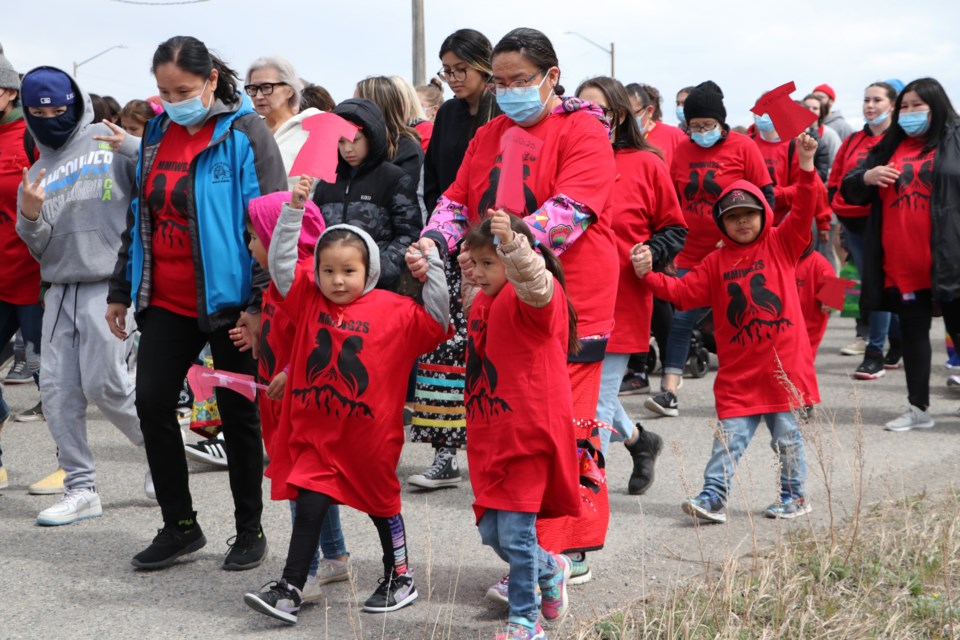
(77, 65)
(419, 48)
(612, 74)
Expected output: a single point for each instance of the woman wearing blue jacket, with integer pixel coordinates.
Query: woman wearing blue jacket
(185, 266)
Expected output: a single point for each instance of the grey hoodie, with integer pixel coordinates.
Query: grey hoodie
(88, 190)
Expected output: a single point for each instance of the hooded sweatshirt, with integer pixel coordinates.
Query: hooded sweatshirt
(378, 197)
(20, 275)
(88, 191)
(759, 324)
(341, 430)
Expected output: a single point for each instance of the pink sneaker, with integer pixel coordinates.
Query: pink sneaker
(516, 631)
(554, 590)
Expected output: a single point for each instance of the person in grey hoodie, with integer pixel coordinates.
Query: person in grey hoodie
(72, 208)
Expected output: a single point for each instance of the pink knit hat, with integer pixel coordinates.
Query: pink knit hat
(265, 211)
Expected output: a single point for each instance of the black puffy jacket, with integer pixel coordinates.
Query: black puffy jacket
(379, 197)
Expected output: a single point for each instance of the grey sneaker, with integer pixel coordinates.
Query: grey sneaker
(444, 472)
(788, 507)
(327, 571)
(19, 373)
(914, 418)
(856, 348)
(705, 506)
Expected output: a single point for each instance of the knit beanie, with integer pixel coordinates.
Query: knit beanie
(827, 89)
(9, 78)
(705, 101)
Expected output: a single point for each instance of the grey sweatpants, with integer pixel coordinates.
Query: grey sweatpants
(83, 362)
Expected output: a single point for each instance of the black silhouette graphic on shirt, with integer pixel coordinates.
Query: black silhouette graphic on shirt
(5, 217)
(172, 226)
(749, 316)
(489, 198)
(268, 361)
(480, 385)
(909, 184)
(700, 194)
(322, 376)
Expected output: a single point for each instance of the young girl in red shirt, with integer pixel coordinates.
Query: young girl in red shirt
(523, 452)
(343, 364)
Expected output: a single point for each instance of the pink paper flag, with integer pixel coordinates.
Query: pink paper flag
(833, 291)
(203, 380)
(789, 118)
(318, 157)
(515, 145)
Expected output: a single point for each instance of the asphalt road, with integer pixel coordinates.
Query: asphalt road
(76, 581)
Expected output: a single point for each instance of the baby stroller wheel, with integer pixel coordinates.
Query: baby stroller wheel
(698, 364)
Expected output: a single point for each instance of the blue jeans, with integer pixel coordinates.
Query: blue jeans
(736, 434)
(28, 319)
(879, 322)
(513, 536)
(332, 543)
(609, 408)
(681, 330)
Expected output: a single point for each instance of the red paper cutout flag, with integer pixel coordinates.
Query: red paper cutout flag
(203, 380)
(833, 291)
(515, 144)
(318, 157)
(789, 118)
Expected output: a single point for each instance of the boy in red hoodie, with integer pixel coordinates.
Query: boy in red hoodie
(750, 283)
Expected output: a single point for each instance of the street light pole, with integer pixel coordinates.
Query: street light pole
(419, 49)
(609, 51)
(76, 65)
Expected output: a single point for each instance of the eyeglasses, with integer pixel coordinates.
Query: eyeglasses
(453, 75)
(265, 88)
(702, 128)
(516, 87)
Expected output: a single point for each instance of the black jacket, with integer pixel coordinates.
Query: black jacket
(409, 157)
(379, 197)
(945, 219)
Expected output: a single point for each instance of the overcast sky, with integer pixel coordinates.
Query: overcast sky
(745, 46)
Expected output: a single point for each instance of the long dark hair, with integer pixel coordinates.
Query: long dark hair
(480, 237)
(534, 46)
(942, 115)
(626, 131)
(647, 95)
(475, 49)
(191, 55)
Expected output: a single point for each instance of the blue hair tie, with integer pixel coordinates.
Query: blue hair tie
(536, 243)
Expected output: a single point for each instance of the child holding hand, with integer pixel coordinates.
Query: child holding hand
(342, 376)
(750, 283)
(523, 452)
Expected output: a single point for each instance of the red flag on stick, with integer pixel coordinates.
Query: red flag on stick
(789, 118)
(833, 291)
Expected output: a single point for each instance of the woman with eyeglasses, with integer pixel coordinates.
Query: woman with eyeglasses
(566, 178)
(438, 416)
(643, 209)
(713, 158)
(274, 88)
(185, 265)
(911, 261)
(645, 102)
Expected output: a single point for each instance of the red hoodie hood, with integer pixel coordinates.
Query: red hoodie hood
(765, 224)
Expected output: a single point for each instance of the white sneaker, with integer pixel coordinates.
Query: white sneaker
(328, 571)
(75, 504)
(856, 348)
(953, 381)
(148, 486)
(914, 418)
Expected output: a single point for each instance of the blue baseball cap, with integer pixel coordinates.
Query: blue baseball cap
(47, 87)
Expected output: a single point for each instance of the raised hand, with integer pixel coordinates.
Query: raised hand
(500, 225)
(301, 192)
(32, 195)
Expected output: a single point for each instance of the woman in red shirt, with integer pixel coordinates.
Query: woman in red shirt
(912, 242)
(645, 104)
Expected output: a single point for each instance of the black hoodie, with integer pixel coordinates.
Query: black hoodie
(379, 197)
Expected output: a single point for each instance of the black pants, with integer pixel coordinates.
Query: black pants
(660, 325)
(311, 510)
(915, 320)
(169, 343)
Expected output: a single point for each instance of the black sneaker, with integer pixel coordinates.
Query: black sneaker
(33, 414)
(871, 368)
(444, 472)
(892, 359)
(212, 451)
(247, 550)
(393, 593)
(664, 404)
(634, 384)
(276, 599)
(171, 543)
(644, 452)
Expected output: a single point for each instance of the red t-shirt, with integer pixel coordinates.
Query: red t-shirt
(643, 201)
(906, 219)
(523, 450)
(19, 271)
(812, 271)
(342, 419)
(699, 176)
(757, 319)
(853, 150)
(276, 336)
(783, 173)
(666, 138)
(576, 160)
(174, 285)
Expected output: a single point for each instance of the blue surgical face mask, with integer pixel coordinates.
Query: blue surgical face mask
(915, 123)
(640, 126)
(764, 123)
(680, 117)
(880, 119)
(706, 139)
(523, 104)
(188, 112)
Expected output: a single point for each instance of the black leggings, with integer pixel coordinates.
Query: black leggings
(915, 320)
(311, 509)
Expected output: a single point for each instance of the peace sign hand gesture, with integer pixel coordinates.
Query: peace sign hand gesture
(32, 196)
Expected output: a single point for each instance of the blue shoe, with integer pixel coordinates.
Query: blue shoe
(788, 507)
(705, 506)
